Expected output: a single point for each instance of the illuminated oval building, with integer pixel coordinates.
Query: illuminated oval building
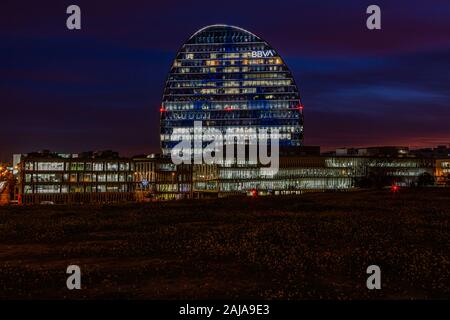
(229, 78)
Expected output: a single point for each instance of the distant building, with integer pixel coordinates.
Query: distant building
(74, 178)
(442, 173)
(387, 151)
(309, 173)
(106, 177)
(438, 152)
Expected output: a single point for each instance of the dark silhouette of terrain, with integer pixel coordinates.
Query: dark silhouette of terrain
(313, 246)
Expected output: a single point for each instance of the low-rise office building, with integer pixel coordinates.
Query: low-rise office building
(309, 173)
(46, 177)
(105, 177)
(157, 178)
(442, 173)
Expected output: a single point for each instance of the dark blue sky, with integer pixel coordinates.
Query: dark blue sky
(101, 87)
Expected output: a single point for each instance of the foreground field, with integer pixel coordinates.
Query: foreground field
(314, 246)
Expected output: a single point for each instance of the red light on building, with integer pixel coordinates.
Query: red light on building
(254, 192)
(162, 109)
(299, 107)
(395, 188)
(228, 108)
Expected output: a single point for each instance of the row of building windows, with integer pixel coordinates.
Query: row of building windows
(221, 36)
(227, 91)
(284, 173)
(230, 83)
(247, 55)
(181, 187)
(231, 98)
(227, 62)
(30, 189)
(78, 177)
(218, 48)
(216, 91)
(208, 70)
(170, 125)
(228, 115)
(261, 131)
(337, 162)
(286, 184)
(395, 164)
(239, 137)
(231, 91)
(227, 77)
(78, 166)
(242, 105)
(237, 130)
(230, 95)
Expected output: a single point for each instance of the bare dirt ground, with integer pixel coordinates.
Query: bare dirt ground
(313, 246)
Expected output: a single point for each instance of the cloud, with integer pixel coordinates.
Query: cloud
(103, 85)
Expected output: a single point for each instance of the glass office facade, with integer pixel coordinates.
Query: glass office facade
(65, 180)
(82, 180)
(309, 173)
(228, 78)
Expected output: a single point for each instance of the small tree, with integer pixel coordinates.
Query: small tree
(376, 177)
(363, 182)
(425, 179)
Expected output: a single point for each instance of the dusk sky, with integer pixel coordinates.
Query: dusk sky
(101, 87)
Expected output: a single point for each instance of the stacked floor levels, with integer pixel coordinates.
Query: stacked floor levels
(83, 179)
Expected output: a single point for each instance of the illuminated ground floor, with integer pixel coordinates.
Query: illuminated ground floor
(158, 179)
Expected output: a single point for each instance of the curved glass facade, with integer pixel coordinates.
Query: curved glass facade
(228, 78)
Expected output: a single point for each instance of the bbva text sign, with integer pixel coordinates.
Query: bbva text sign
(262, 54)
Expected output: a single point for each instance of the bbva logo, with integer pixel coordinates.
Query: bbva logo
(262, 54)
